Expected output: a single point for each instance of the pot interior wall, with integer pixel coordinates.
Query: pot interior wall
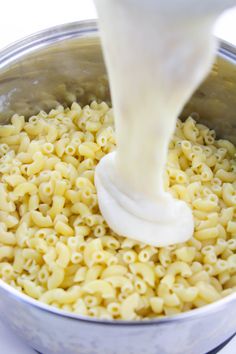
(73, 69)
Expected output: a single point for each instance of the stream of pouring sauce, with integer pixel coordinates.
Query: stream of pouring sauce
(157, 52)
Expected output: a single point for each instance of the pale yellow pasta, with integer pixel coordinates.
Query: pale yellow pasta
(159, 271)
(231, 227)
(60, 187)
(227, 145)
(171, 300)
(88, 149)
(80, 274)
(25, 188)
(212, 220)
(226, 215)
(14, 180)
(6, 204)
(128, 287)
(91, 220)
(80, 308)
(6, 252)
(186, 254)
(24, 142)
(207, 292)
(76, 257)
(81, 209)
(21, 234)
(61, 296)
(231, 243)
(40, 220)
(145, 270)
(92, 301)
(228, 195)
(82, 230)
(226, 176)
(179, 268)
(128, 307)
(6, 238)
(93, 273)
(146, 254)
(206, 234)
(193, 189)
(37, 165)
(101, 287)
(114, 309)
(118, 281)
(101, 257)
(109, 242)
(63, 253)
(129, 257)
(33, 202)
(139, 285)
(63, 169)
(90, 249)
(199, 276)
(231, 261)
(210, 258)
(32, 289)
(8, 220)
(206, 173)
(181, 192)
(56, 278)
(49, 256)
(7, 130)
(63, 229)
(164, 256)
(205, 205)
(56, 247)
(186, 294)
(196, 267)
(156, 304)
(222, 232)
(114, 270)
(189, 129)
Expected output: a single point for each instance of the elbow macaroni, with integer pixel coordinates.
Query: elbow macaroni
(56, 247)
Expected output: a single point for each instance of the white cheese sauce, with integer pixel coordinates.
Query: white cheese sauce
(157, 52)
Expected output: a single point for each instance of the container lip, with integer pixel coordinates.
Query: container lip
(69, 31)
(46, 37)
(185, 316)
(227, 50)
(42, 39)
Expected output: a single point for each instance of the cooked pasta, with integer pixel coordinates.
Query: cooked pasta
(56, 247)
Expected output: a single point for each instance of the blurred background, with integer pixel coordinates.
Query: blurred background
(18, 18)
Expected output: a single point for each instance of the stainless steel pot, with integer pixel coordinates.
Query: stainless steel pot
(63, 64)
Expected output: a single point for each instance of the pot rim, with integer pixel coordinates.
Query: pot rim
(46, 37)
(73, 30)
(202, 312)
(42, 39)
